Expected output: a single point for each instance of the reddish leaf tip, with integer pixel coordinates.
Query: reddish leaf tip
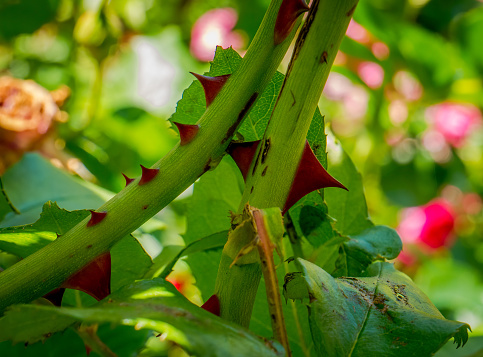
(288, 13)
(147, 175)
(94, 279)
(243, 154)
(187, 132)
(212, 305)
(211, 85)
(128, 180)
(96, 218)
(310, 176)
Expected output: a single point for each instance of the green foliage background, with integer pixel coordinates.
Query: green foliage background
(93, 47)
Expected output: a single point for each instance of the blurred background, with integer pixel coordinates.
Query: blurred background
(404, 98)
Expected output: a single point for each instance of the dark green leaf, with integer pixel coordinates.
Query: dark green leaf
(360, 251)
(129, 261)
(5, 205)
(33, 181)
(348, 208)
(146, 304)
(214, 241)
(383, 314)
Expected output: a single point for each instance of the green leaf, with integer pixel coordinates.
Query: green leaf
(360, 251)
(33, 181)
(215, 194)
(25, 16)
(129, 261)
(383, 314)
(147, 304)
(27, 239)
(5, 205)
(214, 241)
(348, 208)
(192, 106)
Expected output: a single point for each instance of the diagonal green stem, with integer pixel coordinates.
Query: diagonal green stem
(266, 186)
(49, 267)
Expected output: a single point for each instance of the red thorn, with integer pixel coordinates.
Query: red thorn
(310, 176)
(147, 175)
(212, 305)
(55, 296)
(94, 279)
(286, 17)
(242, 154)
(128, 180)
(88, 349)
(211, 85)
(187, 132)
(96, 217)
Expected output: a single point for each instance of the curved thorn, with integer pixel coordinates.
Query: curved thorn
(211, 85)
(243, 154)
(310, 176)
(94, 279)
(212, 305)
(187, 132)
(96, 218)
(128, 180)
(147, 175)
(288, 13)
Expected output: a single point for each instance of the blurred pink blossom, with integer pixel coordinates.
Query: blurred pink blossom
(215, 28)
(398, 112)
(354, 98)
(407, 85)
(429, 227)
(380, 50)
(358, 33)
(371, 74)
(437, 146)
(455, 121)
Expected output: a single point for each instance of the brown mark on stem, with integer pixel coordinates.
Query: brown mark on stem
(266, 148)
(293, 97)
(243, 112)
(264, 171)
(323, 57)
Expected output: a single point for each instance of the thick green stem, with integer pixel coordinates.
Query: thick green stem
(49, 267)
(271, 175)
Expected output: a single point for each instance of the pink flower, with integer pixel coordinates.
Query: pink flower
(425, 229)
(455, 121)
(429, 226)
(214, 28)
(407, 85)
(358, 33)
(371, 74)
